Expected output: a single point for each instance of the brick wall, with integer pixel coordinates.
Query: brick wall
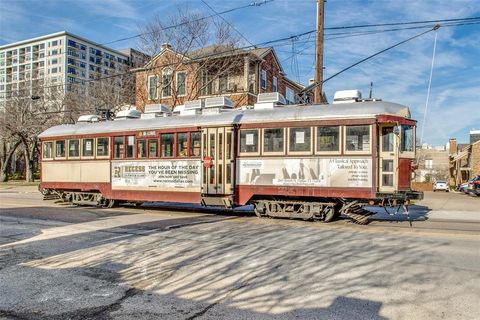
(475, 159)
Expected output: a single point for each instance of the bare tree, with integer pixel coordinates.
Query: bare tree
(204, 48)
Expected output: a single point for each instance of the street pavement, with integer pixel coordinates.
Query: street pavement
(64, 262)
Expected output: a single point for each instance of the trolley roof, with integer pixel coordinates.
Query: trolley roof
(291, 113)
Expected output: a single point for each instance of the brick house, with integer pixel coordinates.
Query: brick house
(171, 78)
(464, 161)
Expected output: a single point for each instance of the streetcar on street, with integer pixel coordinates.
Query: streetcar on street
(312, 162)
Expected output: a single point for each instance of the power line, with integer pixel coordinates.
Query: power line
(402, 23)
(309, 88)
(270, 42)
(231, 26)
(252, 4)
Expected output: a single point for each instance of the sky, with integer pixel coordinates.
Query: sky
(399, 75)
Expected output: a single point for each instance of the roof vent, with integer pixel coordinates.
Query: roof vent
(194, 105)
(157, 108)
(128, 114)
(218, 102)
(274, 97)
(347, 96)
(269, 100)
(88, 118)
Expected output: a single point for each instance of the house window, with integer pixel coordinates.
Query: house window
(152, 87)
(428, 164)
(289, 95)
(328, 139)
(181, 79)
(357, 138)
(275, 84)
(299, 140)
(264, 79)
(206, 84)
(249, 141)
(166, 82)
(222, 83)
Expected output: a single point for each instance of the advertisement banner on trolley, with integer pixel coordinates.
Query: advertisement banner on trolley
(165, 175)
(315, 172)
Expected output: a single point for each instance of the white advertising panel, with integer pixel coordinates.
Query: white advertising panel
(164, 175)
(324, 172)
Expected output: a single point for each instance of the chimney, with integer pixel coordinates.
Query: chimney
(166, 45)
(452, 146)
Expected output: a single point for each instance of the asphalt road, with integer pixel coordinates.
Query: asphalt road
(63, 262)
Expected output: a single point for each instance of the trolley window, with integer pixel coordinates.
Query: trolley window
(102, 147)
(195, 142)
(328, 139)
(166, 141)
(273, 140)
(249, 141)
(47, 152)
(153, 148)
(74, 148)
(60, 149)
(357, 139)
(118, 147)
(129, 150)
(300, 140)
(182, 144)
(87, 147)
(408, 139)
(141, 148)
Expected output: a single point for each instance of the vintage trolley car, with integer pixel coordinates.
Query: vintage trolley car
(297, 161)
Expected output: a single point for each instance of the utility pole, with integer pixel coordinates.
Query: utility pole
(319, 54)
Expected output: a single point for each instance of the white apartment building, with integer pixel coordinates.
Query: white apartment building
(55, 59)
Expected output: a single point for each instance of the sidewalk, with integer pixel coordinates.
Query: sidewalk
(19, 186)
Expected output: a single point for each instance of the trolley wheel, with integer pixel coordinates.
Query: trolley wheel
(259, 209)
(330, 214)
(109, 203)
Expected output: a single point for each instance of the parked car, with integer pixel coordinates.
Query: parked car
(474, 186)
(440, 186)
(463, 187)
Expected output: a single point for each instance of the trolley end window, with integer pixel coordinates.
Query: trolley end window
(47, 152)
(153, 148)
(130, 146)
(141, 148)
(408, 138)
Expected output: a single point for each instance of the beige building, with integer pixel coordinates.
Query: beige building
(58, 59)
(433, 164)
